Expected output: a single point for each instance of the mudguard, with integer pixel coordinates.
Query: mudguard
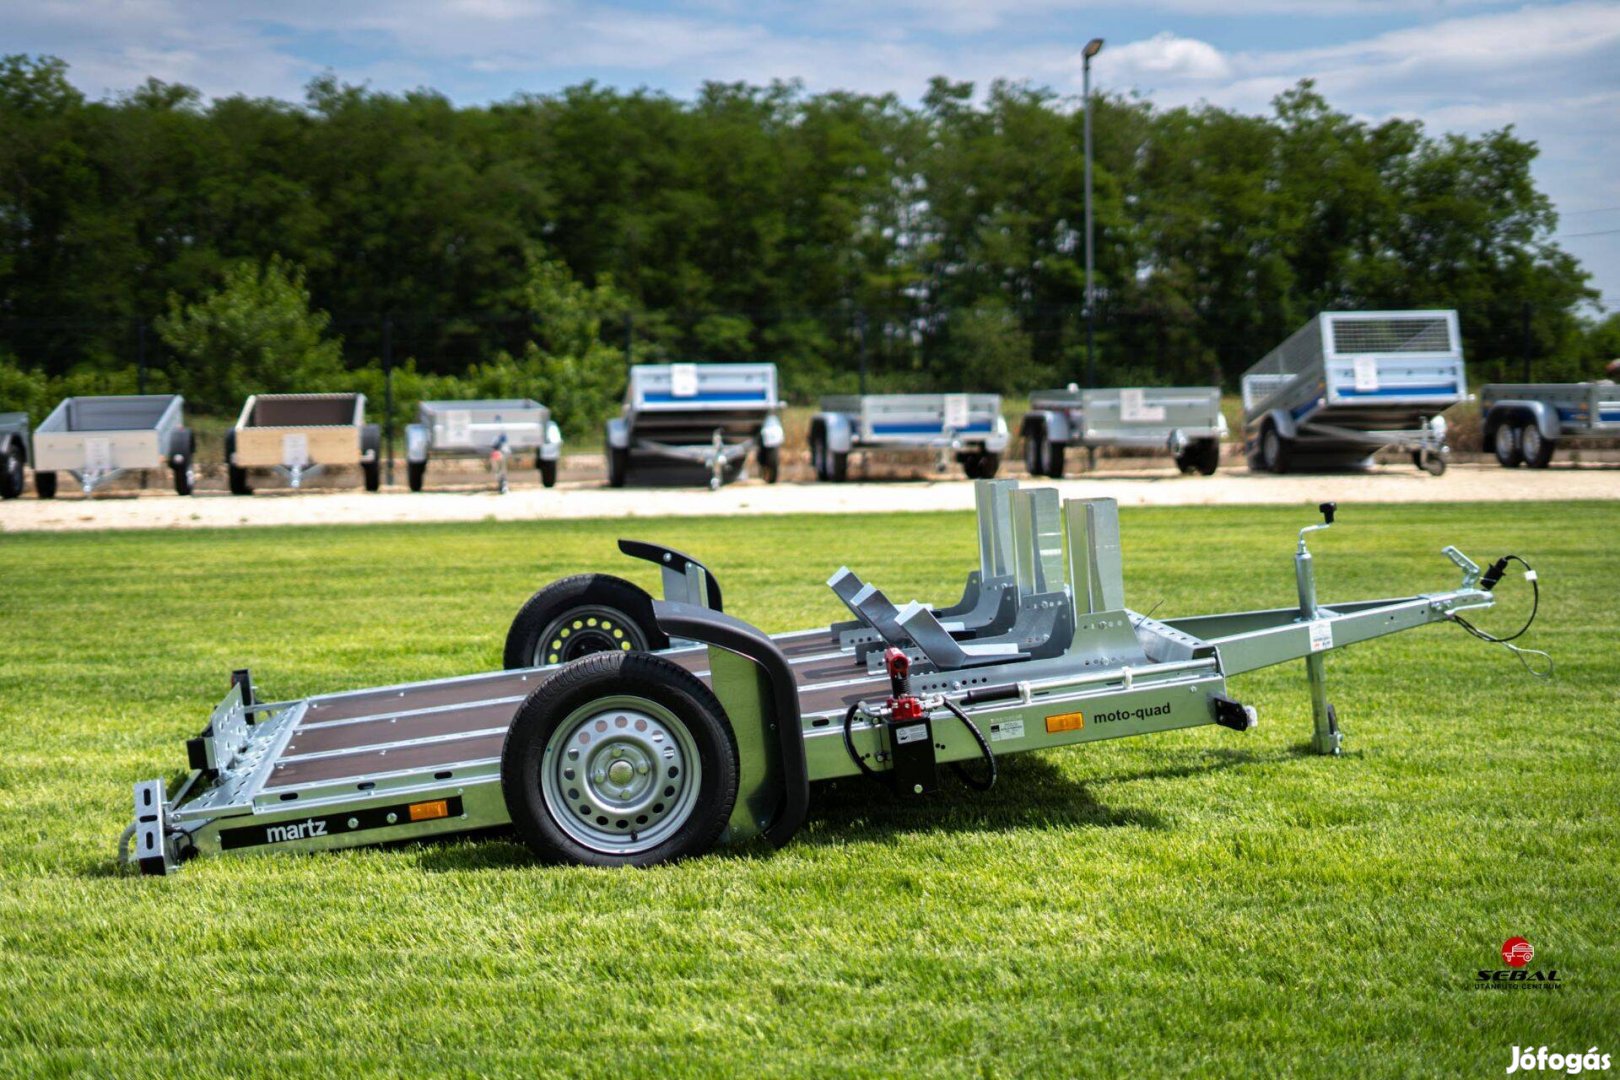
(417, 437)
(840, 432)
(1515, 413)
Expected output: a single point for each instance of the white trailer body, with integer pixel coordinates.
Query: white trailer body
(494, 429)
(1185, 421)
(969, 426)
(98, 439)
(712, 415)
(15, 453)
(1349, 383)
(1525, 422)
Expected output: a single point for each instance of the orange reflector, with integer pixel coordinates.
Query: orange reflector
(427, 811)
(1069, 721)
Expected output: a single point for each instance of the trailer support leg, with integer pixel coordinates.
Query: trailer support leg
(1325, 738)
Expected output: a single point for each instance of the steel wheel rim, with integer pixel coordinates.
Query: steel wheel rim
(1505, 444)
(1530, 439)
(620, 775)
(1269, 446)
(585, 630)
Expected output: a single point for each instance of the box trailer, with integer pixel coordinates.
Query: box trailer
(1349, 383)
(15, 454)
(653, 730)
(1525, 422)
(968, 427)
(300, 435)
(98, 439)
(712, 415)
(1184, 421)
(494, 430)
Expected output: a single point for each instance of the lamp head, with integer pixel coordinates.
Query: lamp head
(1093, 47)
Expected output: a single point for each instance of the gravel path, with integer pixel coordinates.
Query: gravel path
(588, 499)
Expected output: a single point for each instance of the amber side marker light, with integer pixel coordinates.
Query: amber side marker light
(427, 811)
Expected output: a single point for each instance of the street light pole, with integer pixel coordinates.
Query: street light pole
(1093, 47)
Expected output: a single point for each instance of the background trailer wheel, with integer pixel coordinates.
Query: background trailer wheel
(45, 485)
(620, 759)
(580, 615)
(12, 477)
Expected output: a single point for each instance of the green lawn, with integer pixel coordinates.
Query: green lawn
(1200, 902)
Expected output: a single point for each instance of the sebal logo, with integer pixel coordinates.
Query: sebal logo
(1517, 954)
(294, 830)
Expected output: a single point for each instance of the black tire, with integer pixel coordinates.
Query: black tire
(1204, 455)
(770, 463)
(1275, 450)
(12, 477)
(371, 441)
(665, 696)
(1035, 449)
(548, 472)
(618, 463)
(1536, 449)
(1505, 445)
(237, 478)
(980, 464)
(415, 474)
(182, 460)
(45, 485)
(1054, 459)
(547, 617)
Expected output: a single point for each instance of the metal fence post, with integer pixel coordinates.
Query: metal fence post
(388, 395)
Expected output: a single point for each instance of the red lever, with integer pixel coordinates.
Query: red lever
(902, 705)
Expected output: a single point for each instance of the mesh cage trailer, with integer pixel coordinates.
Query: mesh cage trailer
(1350, 383)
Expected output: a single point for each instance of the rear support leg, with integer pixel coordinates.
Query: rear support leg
(1325, 738)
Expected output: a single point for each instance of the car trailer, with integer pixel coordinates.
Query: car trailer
(1349, 383)
(14, 454)
(1184, 420)
(300, 435)
(968, 426)
(618, 756)
(1525, 422)
(493, 430)
(711, 415)
(98, 439)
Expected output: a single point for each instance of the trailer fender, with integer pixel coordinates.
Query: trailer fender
(770, 433)
(1517, 414)
(417, 438)
(10, 439)
(755, 685)
(551, 447)
(1055, 424)
(840, 432)
(1283, 420)
(998, 438)
(617, 433)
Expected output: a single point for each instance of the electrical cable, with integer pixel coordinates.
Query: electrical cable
(1488, 582)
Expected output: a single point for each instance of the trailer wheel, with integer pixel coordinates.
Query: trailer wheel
(830, 465)
(12, 478)
(618, 463)
(1505, 444)
(620, 759)
(580, 615)
(1202, 456)
(548, 471)
(371, 442)
(980, 464)
(237, 478)
(182, 460)
(45, 485)
(1537, 450)
(1035, 448)
(415, 474)
(1274, 449)
(770, 463)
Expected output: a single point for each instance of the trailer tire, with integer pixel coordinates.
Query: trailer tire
(415, 474)
(830, 465)
(1434, 464)
(371, 442)
(620, 759)
(1536, 448)
(548, 471)
(618, 465)
(185, 469)
(617, 617)
(1505, 444)
(770, 463)
(45, 485)
(980, 464)
(1035, 448)
(1202, 456)
(1274, 449)
(12, 477)
(237, 478)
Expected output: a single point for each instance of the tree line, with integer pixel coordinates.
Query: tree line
(937, 244)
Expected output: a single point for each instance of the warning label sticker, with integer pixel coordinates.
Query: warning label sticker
(1007, 729)
(1321, 635)
(911, 733)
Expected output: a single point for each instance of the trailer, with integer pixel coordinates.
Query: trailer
(1185, 421)
(712, 415)
(1350, 383)
(654, 730)
(14, 454)
(494, 430)
(968, 427)
(98, 439)
(1525, 422)
(300, 435)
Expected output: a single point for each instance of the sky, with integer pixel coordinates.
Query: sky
(1552, 70)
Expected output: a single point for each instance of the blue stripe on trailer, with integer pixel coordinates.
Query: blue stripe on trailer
(927, 429)
(706, 398)
(1604, 415)
(1402, 391)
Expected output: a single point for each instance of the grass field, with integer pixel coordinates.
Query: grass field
(1200, 902)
